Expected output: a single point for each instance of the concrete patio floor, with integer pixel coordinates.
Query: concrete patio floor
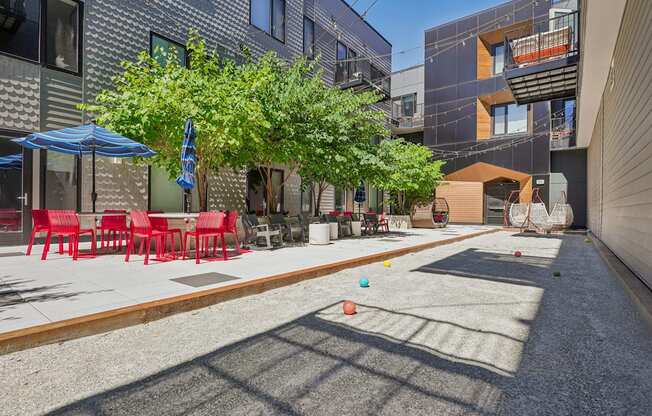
(461, 329)
(34, 292)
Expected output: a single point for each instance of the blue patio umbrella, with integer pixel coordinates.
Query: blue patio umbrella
(11, 162)
(84, 140)
(360, 195)
(188, 159)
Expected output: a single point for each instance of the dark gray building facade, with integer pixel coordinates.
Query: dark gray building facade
(471, 116)
(55, 54)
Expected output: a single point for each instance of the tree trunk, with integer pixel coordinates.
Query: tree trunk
(321, 187)
(202, 189)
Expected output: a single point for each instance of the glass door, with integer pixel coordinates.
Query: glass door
(15, 186)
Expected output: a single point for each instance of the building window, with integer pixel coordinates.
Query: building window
(509, 119)
(165, 50)
(268, 16)
(404, 106)
(306, 198)
(19, 28)
(60, 181)
(341, 67)
(353, 63)
(340, 199)
(308, 38)
(499, 58)
(62, 35)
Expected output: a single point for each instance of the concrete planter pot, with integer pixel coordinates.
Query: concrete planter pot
(399, 222)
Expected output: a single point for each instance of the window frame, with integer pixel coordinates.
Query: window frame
(338, 62)
(312, 22)
(39, 42)
(270, 4)
(506, 120)
(152, 34)
(493, 58)
(80, 38)
(42, 41)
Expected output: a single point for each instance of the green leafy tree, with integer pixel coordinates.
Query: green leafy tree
(150, 103)
(341, 153)
(315, 130)
(407, 173)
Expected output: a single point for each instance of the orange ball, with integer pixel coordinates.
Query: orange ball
(517, 253)
(349, 308)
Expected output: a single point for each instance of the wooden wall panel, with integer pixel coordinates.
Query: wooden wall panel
(465, 200)
(483, 120)
(620, 204)
(484, 60)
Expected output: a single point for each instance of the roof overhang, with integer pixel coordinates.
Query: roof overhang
(601, 27)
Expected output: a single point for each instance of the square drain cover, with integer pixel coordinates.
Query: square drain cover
(204, 279)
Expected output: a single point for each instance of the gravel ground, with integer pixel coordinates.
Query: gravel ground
(461, 329)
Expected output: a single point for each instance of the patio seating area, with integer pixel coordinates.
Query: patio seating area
(36, 292)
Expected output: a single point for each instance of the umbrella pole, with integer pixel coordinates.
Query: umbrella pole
(93, 193)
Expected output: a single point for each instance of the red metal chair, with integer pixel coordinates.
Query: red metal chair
(209, 224)
(161, 224)
(116, 224)
(41, 224)
(383, 223)
(231, 227)
(66, 223)
(141, 227)
(348, 214)
(334, 213)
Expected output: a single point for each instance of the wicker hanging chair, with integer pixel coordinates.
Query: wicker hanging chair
(433, 215)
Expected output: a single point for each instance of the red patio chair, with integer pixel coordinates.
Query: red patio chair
(231, 227)
(141, 227)
(348, 214)
(334, 213)
(66, 223)
(161, 224)
(116, 224)
(209, 224)
(383, 223)
(41, 224)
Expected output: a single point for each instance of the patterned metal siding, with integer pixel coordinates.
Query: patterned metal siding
(116, 30)
(594, 178)
(622, 210)
(19, 94)
(60, 95)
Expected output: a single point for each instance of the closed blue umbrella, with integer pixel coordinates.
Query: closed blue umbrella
(86, 139)
(360, 195)
(188, 159)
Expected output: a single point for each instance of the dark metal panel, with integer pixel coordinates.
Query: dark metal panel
(573, 165)
(486, 20)
(524, 9)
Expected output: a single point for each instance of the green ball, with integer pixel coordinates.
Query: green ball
(587, 240)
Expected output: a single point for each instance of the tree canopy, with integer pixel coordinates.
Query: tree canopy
(261, 114)
(407, 173)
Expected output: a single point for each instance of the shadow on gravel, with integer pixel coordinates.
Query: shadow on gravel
(310, 366)
(498, 267)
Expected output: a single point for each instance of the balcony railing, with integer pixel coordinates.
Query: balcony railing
(548, 40)
(407, 120)
(562, 133)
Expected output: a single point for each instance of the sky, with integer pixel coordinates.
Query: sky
(403, 22)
